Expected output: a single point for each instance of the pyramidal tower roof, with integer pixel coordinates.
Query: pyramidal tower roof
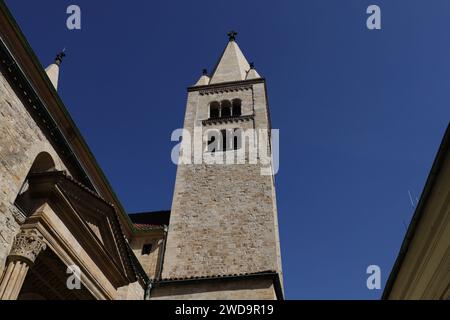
(232, 66)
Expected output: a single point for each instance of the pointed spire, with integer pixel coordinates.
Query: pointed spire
(60, 56)
(204, 79)
(53, 69)
(233, 65)
(252, 73)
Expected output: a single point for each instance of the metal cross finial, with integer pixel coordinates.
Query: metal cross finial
(205, 72)
(60, 56)
(232, 35)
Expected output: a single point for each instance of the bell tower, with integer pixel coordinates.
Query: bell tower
(223, 229)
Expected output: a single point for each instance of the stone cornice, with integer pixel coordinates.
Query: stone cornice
(225, 89)
(226, 86)
(79, 206)
(214, 121)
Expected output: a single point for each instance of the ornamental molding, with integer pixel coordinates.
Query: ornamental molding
(18, 215)
(220, 90)
(231, 85)
(215, 121)
(27, 245)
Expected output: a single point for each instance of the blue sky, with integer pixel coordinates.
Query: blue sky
(361, 113)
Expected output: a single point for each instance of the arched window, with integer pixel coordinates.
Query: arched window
(237, 107)
(214, 110)
(225, 109)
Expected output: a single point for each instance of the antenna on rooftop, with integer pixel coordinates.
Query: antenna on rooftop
(413, 204)
(414, 201)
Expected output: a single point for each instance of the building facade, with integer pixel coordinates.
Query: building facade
(223, 225)
(57, 210)
(61, 222)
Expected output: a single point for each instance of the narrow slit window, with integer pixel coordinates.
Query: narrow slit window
(224, 140)
(237, 139)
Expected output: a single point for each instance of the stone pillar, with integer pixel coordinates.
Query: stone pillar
(26, 247)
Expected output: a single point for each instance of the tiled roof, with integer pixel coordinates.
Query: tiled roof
(147, 227)
(85, 188)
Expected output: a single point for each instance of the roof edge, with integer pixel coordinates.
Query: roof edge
(418, 213)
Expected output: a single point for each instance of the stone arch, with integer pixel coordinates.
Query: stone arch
(40, 151)
(43, 163)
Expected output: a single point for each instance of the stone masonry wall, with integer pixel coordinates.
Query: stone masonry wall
(224, 218)
(21, 140)
(223, 222)
(149, 262)
(133, 291)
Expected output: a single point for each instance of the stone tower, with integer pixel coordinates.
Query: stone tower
(223, 222)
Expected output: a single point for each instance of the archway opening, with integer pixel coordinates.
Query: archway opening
(47, 279)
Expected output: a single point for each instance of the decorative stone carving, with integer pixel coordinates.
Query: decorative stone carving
(18, 215)
(222, 89)
(215, 121)
(28, 244)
